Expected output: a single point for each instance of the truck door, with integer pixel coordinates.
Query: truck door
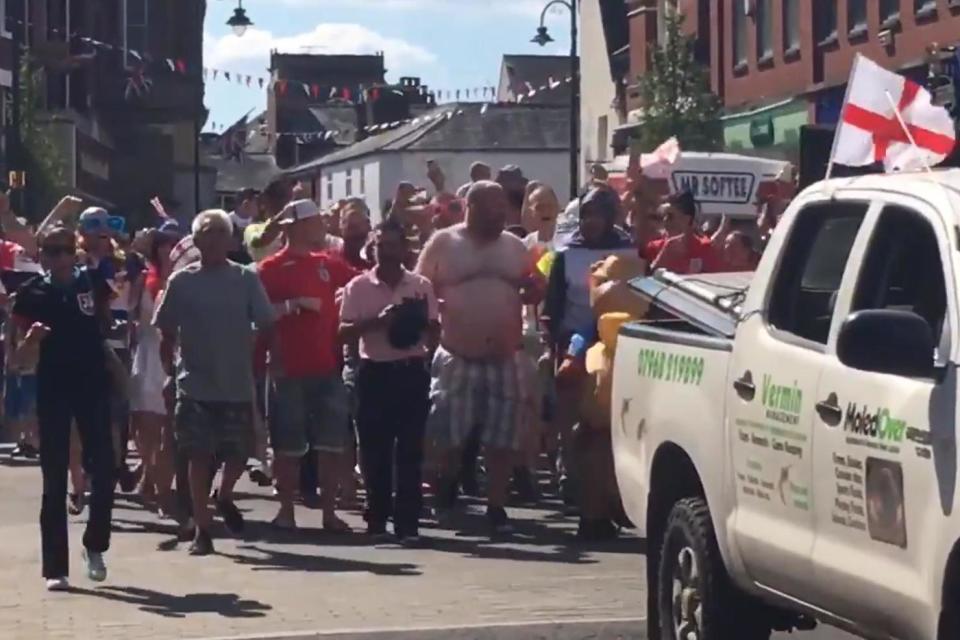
(877, 506)
(777, 361)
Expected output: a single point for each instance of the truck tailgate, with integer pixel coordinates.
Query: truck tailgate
(665, 381)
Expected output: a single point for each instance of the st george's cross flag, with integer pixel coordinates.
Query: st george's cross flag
(869, 130)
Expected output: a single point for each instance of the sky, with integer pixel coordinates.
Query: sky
(449, 44)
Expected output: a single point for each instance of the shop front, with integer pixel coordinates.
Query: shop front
(771, 131)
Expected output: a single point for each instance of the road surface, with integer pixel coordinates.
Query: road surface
(541, 584)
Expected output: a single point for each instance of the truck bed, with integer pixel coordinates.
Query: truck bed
(705, 304)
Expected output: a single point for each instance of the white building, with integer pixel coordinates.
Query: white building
(533, 137)
(604, 55)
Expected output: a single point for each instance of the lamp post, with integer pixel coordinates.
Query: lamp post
(239, 23)
(543, 38)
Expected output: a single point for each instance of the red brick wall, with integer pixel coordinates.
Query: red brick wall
(786, 78)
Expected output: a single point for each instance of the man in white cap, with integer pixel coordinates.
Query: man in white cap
(309, 405)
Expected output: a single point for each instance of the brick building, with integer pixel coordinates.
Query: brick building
(6, 85)
(781, 64)
(314, 94)
(121, 92)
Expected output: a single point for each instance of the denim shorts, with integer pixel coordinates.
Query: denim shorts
(20, 397)
(309, 413)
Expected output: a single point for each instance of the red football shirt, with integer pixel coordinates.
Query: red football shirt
(700, 256)
(308, 340)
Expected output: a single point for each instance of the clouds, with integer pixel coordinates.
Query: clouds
(251, 53)
(516, 7)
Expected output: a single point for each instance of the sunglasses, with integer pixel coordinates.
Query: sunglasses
(55, 251)
(114, 224)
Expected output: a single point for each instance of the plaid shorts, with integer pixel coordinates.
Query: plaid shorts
(471, 394)
(224, 429)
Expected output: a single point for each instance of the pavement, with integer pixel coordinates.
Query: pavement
(310, 585)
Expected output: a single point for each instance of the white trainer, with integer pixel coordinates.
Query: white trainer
(96, 569)
(57, 584)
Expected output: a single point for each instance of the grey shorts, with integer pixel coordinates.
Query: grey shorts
(309, 413)
(223, 429)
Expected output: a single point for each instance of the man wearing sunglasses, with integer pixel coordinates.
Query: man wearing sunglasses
(65, 314)
(98, 231)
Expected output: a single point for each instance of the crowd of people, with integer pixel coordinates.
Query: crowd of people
(335, 353)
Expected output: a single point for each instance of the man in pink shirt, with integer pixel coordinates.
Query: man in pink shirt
(393, 313)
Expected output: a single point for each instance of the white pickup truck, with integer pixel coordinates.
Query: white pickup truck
(788, 447)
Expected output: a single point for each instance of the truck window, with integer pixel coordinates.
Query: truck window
(903, 270)
(814, 257)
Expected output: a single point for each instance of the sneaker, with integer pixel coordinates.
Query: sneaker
(378, 531)
(202, 544)
(525, 485)
(129, 479)
(96, 569)
(185, 531)
(232, 518)
(58, 584)
(407, 536)
(499, 521)
(75, 504)
(260, 478)
(409, 539)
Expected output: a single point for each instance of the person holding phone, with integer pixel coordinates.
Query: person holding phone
(66, 314)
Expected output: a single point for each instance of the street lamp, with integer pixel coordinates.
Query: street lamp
(239, 21)
(543, 38)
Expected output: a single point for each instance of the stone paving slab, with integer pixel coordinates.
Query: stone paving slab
(307, 583)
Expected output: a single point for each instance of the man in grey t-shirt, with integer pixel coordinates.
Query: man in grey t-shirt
(209, 310)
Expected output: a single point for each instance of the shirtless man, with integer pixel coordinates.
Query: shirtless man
(482, 277)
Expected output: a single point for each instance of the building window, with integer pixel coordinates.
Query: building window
(764, 18)
(349, 187)
(329, 190)
(889, 12)
(825, 22)
(856, 17)
(739, 36)
(925, 8)
(135, 30)
(363, 181)
(791, 27)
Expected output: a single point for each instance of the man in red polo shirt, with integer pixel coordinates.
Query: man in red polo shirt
(309, 404)
(683, 250)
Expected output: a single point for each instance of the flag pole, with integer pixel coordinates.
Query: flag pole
(913, 143)
(836, 131)
(906, 131)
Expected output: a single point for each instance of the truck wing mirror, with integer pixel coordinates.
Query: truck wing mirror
(887, 341)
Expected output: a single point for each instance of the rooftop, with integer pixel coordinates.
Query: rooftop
(466, 127)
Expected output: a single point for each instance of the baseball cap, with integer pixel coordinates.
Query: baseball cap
(299, 210)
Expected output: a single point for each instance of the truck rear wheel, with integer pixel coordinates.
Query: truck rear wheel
(695, 598)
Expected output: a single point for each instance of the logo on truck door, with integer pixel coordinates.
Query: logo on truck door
(782, 403)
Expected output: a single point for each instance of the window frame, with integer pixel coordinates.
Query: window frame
(740, 57)
(819, 13)
(788, 336)
(763, 20)
(857, 27)
(924, 9)
(869, 230)
(790, 17)
(145, 27)
(891, 16)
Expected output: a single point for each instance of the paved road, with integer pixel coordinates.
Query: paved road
(279, 583)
